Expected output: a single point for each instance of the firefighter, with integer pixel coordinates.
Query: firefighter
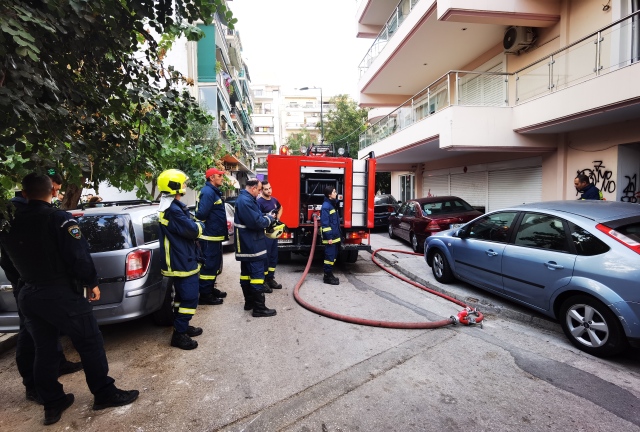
(211, 210)
(330, 222)
(178, 234)
(251, 249)
(269, 204)
(47, 249)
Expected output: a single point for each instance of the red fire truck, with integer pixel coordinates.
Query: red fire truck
(299, 181)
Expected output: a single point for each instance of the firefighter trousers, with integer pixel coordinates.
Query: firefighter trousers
(272, 258)
(330, 254)
(212, 251)
(185, 302)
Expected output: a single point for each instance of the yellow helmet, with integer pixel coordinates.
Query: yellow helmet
(275, 231)
(172, 181)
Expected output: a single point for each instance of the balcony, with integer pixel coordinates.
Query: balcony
(588, 83)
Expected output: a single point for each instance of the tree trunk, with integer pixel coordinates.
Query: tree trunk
(71, 197)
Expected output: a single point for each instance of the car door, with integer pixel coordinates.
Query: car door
(478, 254)
(406, 221)
(539, 261)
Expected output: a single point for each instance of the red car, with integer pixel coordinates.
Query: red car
(417, 219)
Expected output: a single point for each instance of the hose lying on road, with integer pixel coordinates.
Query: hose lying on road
(463, 316)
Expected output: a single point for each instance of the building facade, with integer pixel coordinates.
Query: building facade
(502, 103)
(266, 122)
(302, 110)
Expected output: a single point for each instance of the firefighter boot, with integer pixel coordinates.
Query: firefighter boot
(209, 299)
(266, 288)
(217, 293)
(259, 308)
(248, 299)
(183, 341)
(271, 282)
(330, 279)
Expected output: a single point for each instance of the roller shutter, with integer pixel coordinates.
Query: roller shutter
(435, 185)
(515, 186)
(471, 187)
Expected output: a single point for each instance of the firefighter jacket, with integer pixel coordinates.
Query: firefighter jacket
(591, 192)
(178, 234)
(45, 247)
(211, 210)
(249, 225)
(330, 221)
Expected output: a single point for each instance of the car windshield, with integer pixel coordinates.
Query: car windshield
(107, 232)
(446, 207)
(384, 199)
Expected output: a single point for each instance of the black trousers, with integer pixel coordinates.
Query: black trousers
(49, 311)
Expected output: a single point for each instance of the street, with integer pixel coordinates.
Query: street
(299, 371)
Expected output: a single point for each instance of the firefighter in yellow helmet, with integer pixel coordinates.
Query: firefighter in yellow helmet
(178, 234)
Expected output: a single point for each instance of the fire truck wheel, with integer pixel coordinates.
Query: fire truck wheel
(349, 256)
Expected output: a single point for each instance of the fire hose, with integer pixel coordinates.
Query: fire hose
(468, 316)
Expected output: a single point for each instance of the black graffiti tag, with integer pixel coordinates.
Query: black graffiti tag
(630, 190)
(600, 177)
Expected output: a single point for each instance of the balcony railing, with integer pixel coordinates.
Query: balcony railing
(608, 49)
(467, 88)
(393, 23)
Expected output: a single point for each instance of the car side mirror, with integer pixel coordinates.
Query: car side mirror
(462, 233)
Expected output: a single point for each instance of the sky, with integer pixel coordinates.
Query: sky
(301, 43)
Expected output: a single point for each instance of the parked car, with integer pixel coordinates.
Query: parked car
(576, 261)
(230, 227)
(123, 241)
(419, 218)
(383, 206)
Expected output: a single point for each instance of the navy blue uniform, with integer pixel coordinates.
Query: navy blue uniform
(211, 210)
(268, 206)
(178, 234)
(47, 249)
(251, 249)
(330, 223)
(591, 192)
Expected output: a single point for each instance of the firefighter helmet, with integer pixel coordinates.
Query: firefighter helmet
(172, 181)
(275, 231)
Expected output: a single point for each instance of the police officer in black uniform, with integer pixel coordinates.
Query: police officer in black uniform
(47, 249)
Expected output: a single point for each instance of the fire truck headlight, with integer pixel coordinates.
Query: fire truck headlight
(303, 150)
(341, 151)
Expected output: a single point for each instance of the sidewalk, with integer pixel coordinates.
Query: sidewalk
(7, 341)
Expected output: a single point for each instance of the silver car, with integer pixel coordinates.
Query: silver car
(576, 261)
(123, 240)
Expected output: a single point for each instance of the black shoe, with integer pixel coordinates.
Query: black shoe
(248, 305)
(183, 341)
(259, 308)
(52, 415)
(194, 331)
(273, 284)
(331, 279)
(219, 294)
(32, 395)
(119, 398)
(68, 367)
(266, 289)
(209, 300)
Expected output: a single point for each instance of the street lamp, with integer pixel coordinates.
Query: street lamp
(321, 116)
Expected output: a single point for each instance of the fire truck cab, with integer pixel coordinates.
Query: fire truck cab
(298, 183)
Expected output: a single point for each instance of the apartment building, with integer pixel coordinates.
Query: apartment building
(221, 83)
(266, 121)
(304, 109)
(502, 102)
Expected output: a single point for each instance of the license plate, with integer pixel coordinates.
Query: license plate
(285, 241)
(452, 226)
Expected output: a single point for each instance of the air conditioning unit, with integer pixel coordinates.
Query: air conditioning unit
(518, 39)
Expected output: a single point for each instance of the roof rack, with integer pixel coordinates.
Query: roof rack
(113, 203)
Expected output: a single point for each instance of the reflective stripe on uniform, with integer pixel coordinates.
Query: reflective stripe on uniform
(326, 229)
(211, 238)
(162, 219)
(167, 256)
(240, 226)
(251, 255)
(266, 272)
(207, 277)
(332, 211)
(272, 269)
(218, 202)
(329, 262)
(256, 281)
(186, 311)
(337, 240)
(180, 273)
(244, 277)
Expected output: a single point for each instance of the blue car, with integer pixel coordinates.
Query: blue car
(575, 261)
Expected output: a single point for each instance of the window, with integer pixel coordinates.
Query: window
(542, 231)
(150, 228)
(403, 209)
(493, 227)
(586, 243)
(107, 232)
(446, 207)
(407, 187)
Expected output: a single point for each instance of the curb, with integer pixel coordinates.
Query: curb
(7, 341)
(513, 312)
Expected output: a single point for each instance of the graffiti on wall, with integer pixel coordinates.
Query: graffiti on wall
(630, 194)
(600, 176)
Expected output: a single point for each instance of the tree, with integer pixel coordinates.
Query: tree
(83, 86)
(343, 125)
(297, 140)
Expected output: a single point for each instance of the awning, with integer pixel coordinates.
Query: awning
(233, 181)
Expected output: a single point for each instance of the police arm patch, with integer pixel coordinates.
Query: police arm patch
(74, 230)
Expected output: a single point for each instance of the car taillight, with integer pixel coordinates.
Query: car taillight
(391, 209)
(137, 263)
(77, 214)
(627, 241)
(229, 226)
(433, 226)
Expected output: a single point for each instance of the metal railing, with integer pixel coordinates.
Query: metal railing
(469, 88)
(612, 47)
(388, 30)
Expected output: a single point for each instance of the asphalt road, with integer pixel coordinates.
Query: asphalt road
(300, 371)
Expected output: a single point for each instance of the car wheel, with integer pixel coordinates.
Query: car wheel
(390, 231)
(592, 327)
(417, 247)
(164, 315)
(440, 267)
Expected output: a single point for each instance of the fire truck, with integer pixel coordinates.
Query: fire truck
(298, 182)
